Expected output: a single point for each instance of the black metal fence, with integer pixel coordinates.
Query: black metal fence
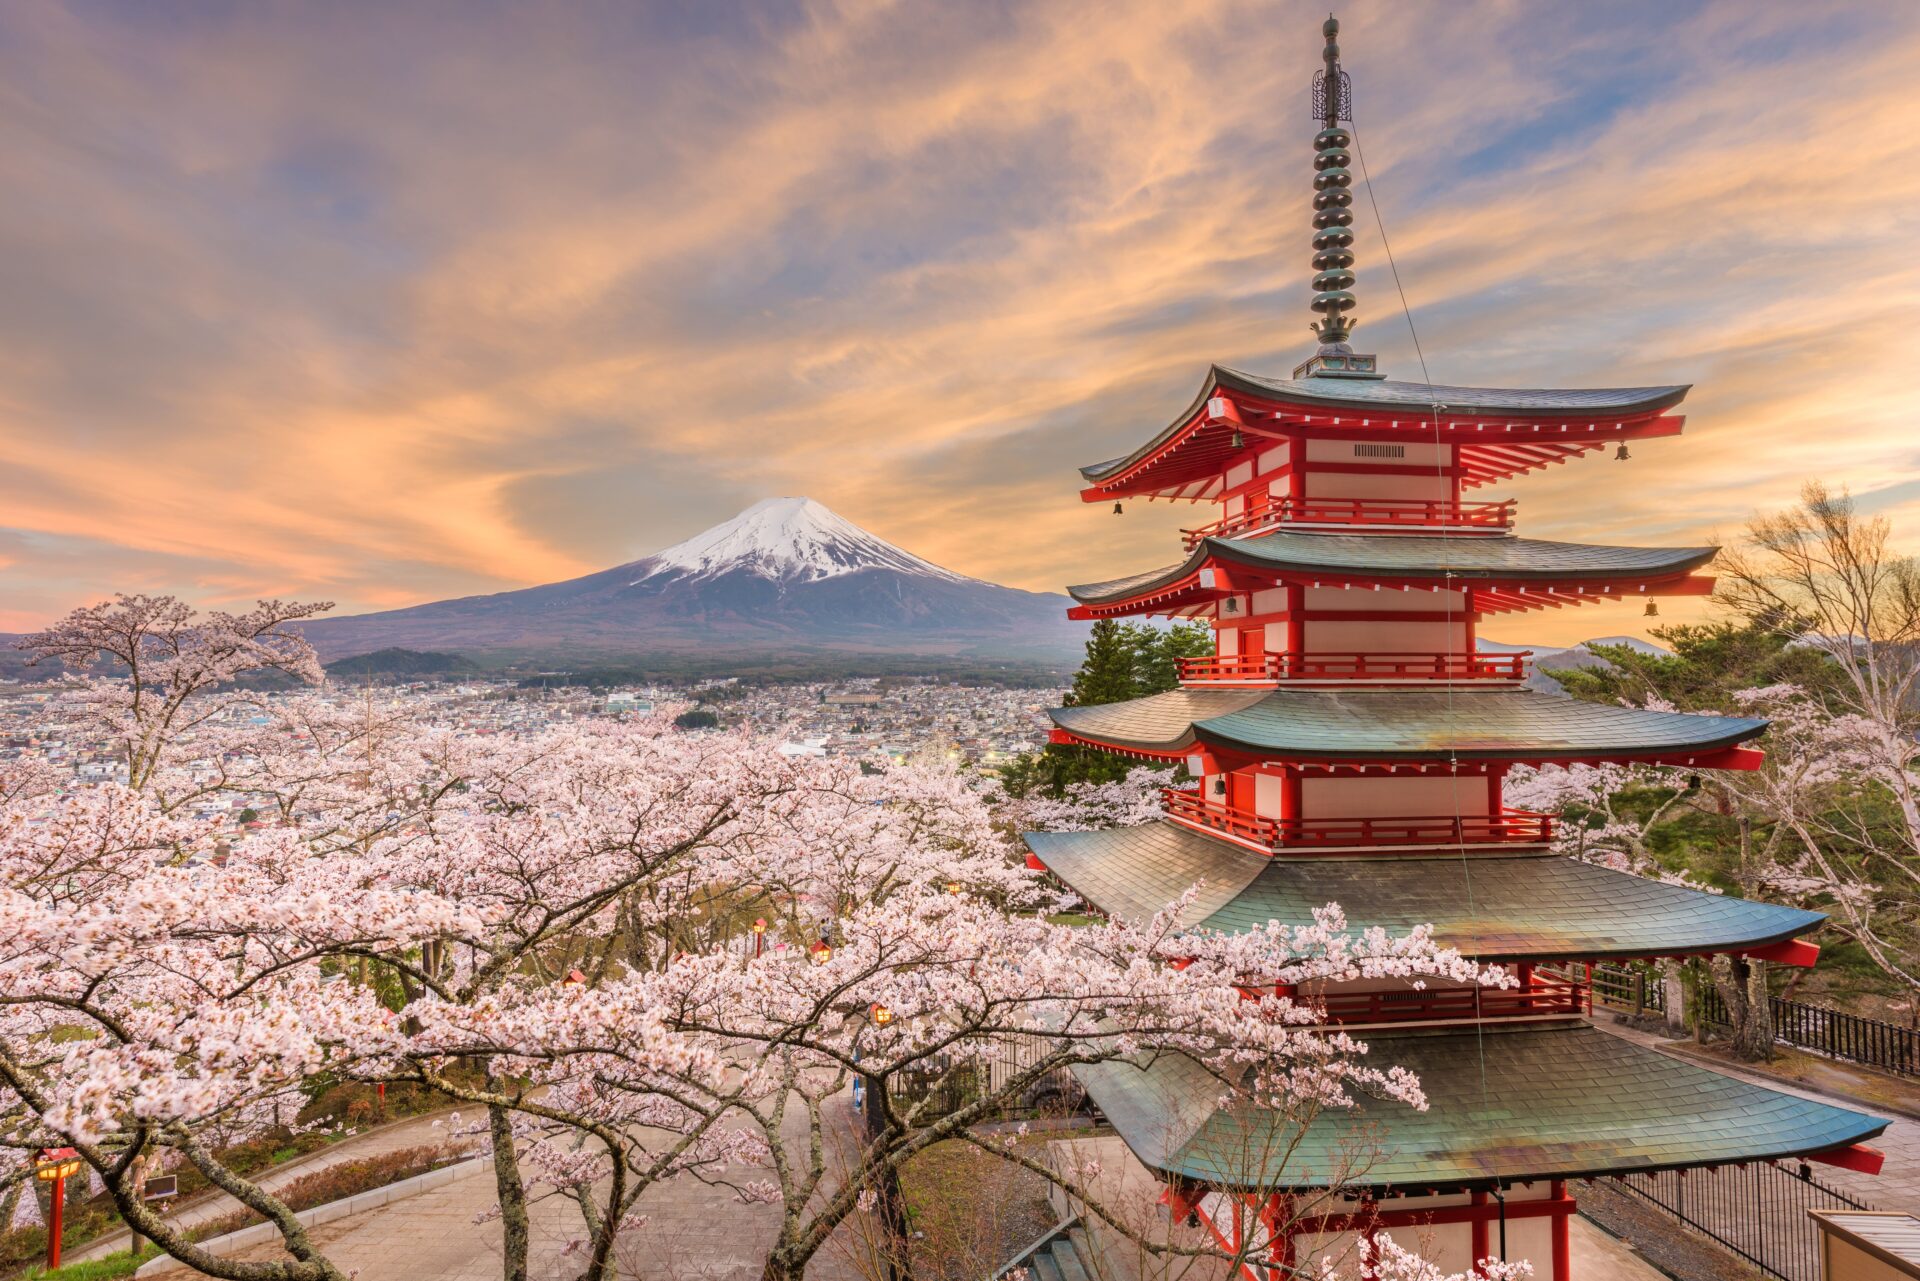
(1834, 1033)
(1630, 987)
(1757, 1211)
(1838, 1035)
(944, 1086)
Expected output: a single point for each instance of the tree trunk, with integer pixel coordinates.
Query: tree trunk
(1742, 985)
(777, 1268)
(1756, 1046)
(514, 1231)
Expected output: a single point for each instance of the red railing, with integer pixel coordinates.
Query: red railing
(1412, 513)
(1506, 827)
(1247, 669)
(1545, 995)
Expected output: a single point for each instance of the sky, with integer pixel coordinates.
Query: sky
(381, 304)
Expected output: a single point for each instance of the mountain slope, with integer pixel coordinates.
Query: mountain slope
(787, 574)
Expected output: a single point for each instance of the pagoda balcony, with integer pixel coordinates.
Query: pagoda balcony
(1539, 995)
(1268, 511)
(1274, 669)
(1509, 827)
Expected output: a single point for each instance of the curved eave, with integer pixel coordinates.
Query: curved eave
(1505, 1104)
(1568, 416)
(1407, 726)
(1415, 560)
(1507, 907)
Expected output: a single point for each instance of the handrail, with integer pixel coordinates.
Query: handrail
(1262, 668)
(1439, 513)
(1508, 826)
(1544, 995)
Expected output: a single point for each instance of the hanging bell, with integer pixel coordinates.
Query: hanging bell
(1621, 455)
(1653, 609)
(1239, 441)
(1118, 509)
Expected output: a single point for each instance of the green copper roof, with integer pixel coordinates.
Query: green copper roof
(1318, 395)
(1536, 1101)
(1505, 907)
(1399, 725)
(1400, 556)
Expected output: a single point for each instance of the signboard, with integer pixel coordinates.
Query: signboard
(160, 1187)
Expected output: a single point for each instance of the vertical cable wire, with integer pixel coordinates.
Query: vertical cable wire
(1446, 564)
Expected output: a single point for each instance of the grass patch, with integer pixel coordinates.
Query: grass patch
(971, 1212)
(118, 1265)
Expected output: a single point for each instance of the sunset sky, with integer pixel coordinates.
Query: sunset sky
(383, 303)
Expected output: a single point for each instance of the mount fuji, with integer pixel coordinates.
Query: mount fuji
(783, 576)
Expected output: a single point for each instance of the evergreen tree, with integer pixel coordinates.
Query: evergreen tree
(1709, 662)
(1123, 661)
(1106, 674)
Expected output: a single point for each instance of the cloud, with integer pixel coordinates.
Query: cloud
(385, 305)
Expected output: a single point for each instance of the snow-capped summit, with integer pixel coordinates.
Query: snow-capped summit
(790, 540)
(785, 577)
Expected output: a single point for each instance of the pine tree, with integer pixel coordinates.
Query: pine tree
(1106, 674)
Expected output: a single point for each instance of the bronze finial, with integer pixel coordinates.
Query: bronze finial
(1332, 195)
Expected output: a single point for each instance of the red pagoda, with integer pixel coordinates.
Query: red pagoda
(1348, 742)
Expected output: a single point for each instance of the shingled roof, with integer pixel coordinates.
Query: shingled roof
(1531, 1101)
(1318, 394)
(1399, 725)
(1504, 907)
(1457, 559)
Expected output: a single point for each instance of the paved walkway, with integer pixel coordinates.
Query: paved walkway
(693, 1232)
(413, 1132)
(1896, 1187)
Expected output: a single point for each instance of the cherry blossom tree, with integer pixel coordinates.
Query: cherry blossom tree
(166, 669)
(1096, 805)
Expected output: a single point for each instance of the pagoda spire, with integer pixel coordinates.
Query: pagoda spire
(1333, 219)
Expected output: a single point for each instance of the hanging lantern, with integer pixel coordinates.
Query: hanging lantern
(1118, 509)
(882, 1015)
(1621, 455)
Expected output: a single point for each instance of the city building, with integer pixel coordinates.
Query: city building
(1348, 744)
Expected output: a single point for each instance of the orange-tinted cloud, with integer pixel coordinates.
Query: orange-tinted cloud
(386, 305)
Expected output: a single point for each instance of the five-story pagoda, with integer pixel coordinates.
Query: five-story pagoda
(1349, 742)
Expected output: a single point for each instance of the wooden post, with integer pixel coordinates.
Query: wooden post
(1481, 1246)
(1562, 1234)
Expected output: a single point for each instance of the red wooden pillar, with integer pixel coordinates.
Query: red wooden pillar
(1284, 1249)
(1481, 1246)
(1562, 1233)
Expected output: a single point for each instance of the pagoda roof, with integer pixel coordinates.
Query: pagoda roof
(1625, 410)
(1493, 907)
(1399, 725)
(1414, 557)
(1548, 1100)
